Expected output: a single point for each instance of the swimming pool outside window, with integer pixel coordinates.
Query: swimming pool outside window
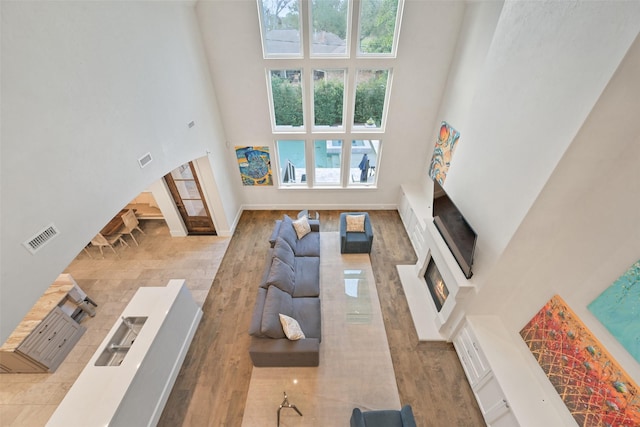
(291, 162)
(328, 160)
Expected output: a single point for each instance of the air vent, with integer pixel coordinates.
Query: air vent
(38, 241)
(145, 160)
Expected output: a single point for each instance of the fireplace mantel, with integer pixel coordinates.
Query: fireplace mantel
(431, 324)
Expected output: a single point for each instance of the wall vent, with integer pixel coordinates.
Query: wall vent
(43, 237)
(145, 160)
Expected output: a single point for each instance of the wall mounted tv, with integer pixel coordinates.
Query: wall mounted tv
(454, 229)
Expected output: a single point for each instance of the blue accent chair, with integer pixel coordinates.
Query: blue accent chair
(383, 418)
(355, 242)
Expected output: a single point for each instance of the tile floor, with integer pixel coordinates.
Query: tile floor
(30, 399)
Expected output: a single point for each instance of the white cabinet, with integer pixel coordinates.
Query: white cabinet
(486, 388)
(52, 339)
(415, 209)
(509, 386)
(47, 333)
(473, 360)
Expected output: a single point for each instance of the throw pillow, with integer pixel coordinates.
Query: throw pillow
(355, 223)
(302, 227)
(291, 328)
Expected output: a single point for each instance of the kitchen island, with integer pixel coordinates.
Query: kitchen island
(132, 390)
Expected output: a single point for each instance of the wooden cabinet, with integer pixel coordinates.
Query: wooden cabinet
(45, 336)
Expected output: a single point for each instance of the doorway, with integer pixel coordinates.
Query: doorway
(187, 193)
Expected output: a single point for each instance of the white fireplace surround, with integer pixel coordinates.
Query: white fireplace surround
(431, 325)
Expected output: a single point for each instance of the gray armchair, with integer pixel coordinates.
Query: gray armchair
(355, 242)
(383, 418)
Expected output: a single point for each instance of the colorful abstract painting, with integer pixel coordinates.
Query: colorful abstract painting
(255, 165)
(595, 389)
(442, 152)
(618, 309)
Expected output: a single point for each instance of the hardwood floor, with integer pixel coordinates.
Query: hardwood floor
(212, 386)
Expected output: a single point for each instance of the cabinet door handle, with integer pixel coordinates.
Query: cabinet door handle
(52, 336)
(475, 346)
(63, 342)
(506, 404)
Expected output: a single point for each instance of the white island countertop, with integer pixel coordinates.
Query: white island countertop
(99, 390)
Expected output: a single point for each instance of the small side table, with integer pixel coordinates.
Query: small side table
(310, 215)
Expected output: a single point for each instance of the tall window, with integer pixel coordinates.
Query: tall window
(286, 94)
(321, 95)
(379, 25)
(280, 24)
(328, 158)
(364, 161)
(291, 162)
(330, 27)
(328, 98)
(371, 92)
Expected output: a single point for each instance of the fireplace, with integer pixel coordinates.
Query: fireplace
(437, 288)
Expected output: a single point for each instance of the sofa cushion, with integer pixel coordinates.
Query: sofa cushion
(282, 250)
(288, 233)
(281, 275)
(267, 269)
(276, 302)
(382, 418)
(307, 277)
(256, 317)
(302, 227)
(309, 245)
(307, 312)
(291, 328)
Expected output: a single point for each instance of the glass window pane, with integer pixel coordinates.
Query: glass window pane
(291, 160)
(378, 32)
(183, 172)
(330, 27)
(280, 24)
(328, 155)
(328, 97)
(188, 189)
(286, 92)
(371, 90)
(364, 161)
(195, 208)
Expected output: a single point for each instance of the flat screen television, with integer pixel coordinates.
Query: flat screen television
(454, 229)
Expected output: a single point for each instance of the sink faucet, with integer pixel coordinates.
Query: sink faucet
(116, 347)
(129, 325)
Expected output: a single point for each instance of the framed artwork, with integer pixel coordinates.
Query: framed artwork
(255, 165)
(618, 309)
(442, 152)
(593, 386)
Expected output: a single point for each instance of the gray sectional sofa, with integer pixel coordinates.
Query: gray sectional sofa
(290, 285)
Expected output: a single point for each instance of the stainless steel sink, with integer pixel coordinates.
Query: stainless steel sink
(121, 341)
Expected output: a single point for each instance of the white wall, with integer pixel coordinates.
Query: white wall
(88, 88)
(427, 41)
(547, 64)
(583, 230)
(476, 34)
